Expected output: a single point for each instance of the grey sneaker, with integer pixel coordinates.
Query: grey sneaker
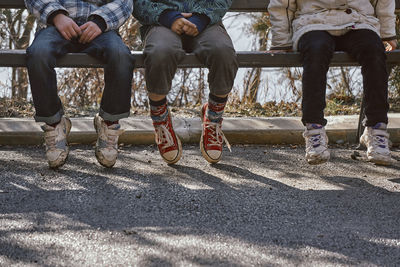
(316, 144)
(56, 142)
(107, 142)
(376, 139)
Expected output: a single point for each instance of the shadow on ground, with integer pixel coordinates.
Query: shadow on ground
(259, 206)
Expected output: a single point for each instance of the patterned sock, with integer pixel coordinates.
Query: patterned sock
(159, 110)
(216, 106)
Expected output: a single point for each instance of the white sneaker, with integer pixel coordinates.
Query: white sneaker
(316, 144)
(107, 142)
(56, 142)
(376, 139)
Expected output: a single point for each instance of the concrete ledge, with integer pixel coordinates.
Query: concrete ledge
(280, 130)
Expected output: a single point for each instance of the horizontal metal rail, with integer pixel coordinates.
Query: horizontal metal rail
(17, 58)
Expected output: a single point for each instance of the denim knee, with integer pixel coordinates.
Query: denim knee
(120, 58)
(38, 56)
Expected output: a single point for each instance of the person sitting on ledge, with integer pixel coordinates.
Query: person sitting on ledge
(88, 26)
(318, 28)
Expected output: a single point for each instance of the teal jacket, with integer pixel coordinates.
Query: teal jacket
(148, 11)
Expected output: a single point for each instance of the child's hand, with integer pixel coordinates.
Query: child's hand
(90, 30)
(182, 25)
(191, 29)
(66, 26)
(390, 45)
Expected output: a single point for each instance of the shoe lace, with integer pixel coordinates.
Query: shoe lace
(51, 135)
(112, 139)
(379, 140)
(316, 140)
(163, 136)
(50, 139)
(216, 136)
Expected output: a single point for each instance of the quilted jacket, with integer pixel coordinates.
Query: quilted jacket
(291, 19)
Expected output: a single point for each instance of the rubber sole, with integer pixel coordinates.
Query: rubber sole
(178, 157)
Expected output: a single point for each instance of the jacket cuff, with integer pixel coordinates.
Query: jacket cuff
(100, 22)
(52, 15)
(168, 17)
(200, 20)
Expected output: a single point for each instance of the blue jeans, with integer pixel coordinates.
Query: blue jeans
(108, 47)
(317, 47)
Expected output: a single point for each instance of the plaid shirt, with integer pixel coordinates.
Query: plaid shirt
(114, 12)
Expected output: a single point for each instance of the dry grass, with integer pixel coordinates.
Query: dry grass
(22, 109)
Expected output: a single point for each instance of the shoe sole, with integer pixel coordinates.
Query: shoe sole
(204, 153)
(100, 157)
(316, 161)
(59, 164)
(379, 161)
(371, 159)
(178, 157)
(56, 166)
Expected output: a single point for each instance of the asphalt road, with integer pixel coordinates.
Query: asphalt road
(259, 206)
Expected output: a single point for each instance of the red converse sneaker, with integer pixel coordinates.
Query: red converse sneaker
(212, 138)
(168, 143)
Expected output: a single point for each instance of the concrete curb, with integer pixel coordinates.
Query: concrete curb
(280, 130)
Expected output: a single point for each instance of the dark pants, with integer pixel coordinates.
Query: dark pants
(108, 47)
(366, 47)
(164, 49)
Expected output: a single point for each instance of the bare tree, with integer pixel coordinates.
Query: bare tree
(17, 31)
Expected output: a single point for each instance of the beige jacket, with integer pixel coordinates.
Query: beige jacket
(291, 19)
